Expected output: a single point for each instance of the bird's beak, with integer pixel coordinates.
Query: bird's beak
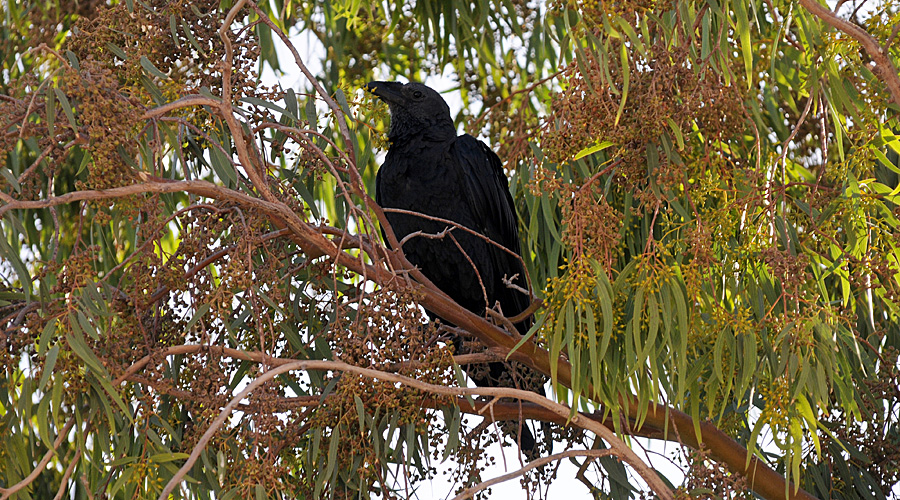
(388, 92)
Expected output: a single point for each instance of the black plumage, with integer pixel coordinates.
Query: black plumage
(432, 171)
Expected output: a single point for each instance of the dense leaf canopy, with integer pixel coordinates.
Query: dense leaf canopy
(195, 298)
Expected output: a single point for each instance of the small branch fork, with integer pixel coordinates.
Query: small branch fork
(592, 454)
(451, 226)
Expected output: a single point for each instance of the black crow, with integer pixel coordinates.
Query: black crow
(433, 172)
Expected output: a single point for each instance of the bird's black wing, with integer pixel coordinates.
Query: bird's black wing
(491, 204)
(487, 195)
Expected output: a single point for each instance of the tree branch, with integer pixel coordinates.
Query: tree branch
(763, 479)
(470, 492)
(184, 102)
(616, 445)
(63, 434)
(502, 410)
(884, 67)
(66, 475)
(338, 113)
(202, 188)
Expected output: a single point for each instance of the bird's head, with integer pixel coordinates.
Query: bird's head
(415, 108)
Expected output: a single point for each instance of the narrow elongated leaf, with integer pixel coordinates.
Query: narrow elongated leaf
(592, 149)
(67, 109)
(149, 67)
(626, 77)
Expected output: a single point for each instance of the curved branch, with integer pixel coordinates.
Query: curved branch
(616, 445)
(884, 67)
(502, 410)
(63, 434)
(64, 482)
(202, 188)
(312, 241)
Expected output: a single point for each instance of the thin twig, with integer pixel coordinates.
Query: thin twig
(487, 306)
(470, 492)
(527, 89)
(184, 102)
(339, 114)
(531, 309)
(498, 316)
(429, 236)
(464, 228)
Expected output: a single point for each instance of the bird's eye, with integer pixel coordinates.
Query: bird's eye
(418, 94)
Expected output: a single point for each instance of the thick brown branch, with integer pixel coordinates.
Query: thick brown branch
(884, 67)
(313, 242)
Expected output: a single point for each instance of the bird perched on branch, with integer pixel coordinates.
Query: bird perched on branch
(441, 177)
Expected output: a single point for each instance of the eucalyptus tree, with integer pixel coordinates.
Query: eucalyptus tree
(196, 299)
